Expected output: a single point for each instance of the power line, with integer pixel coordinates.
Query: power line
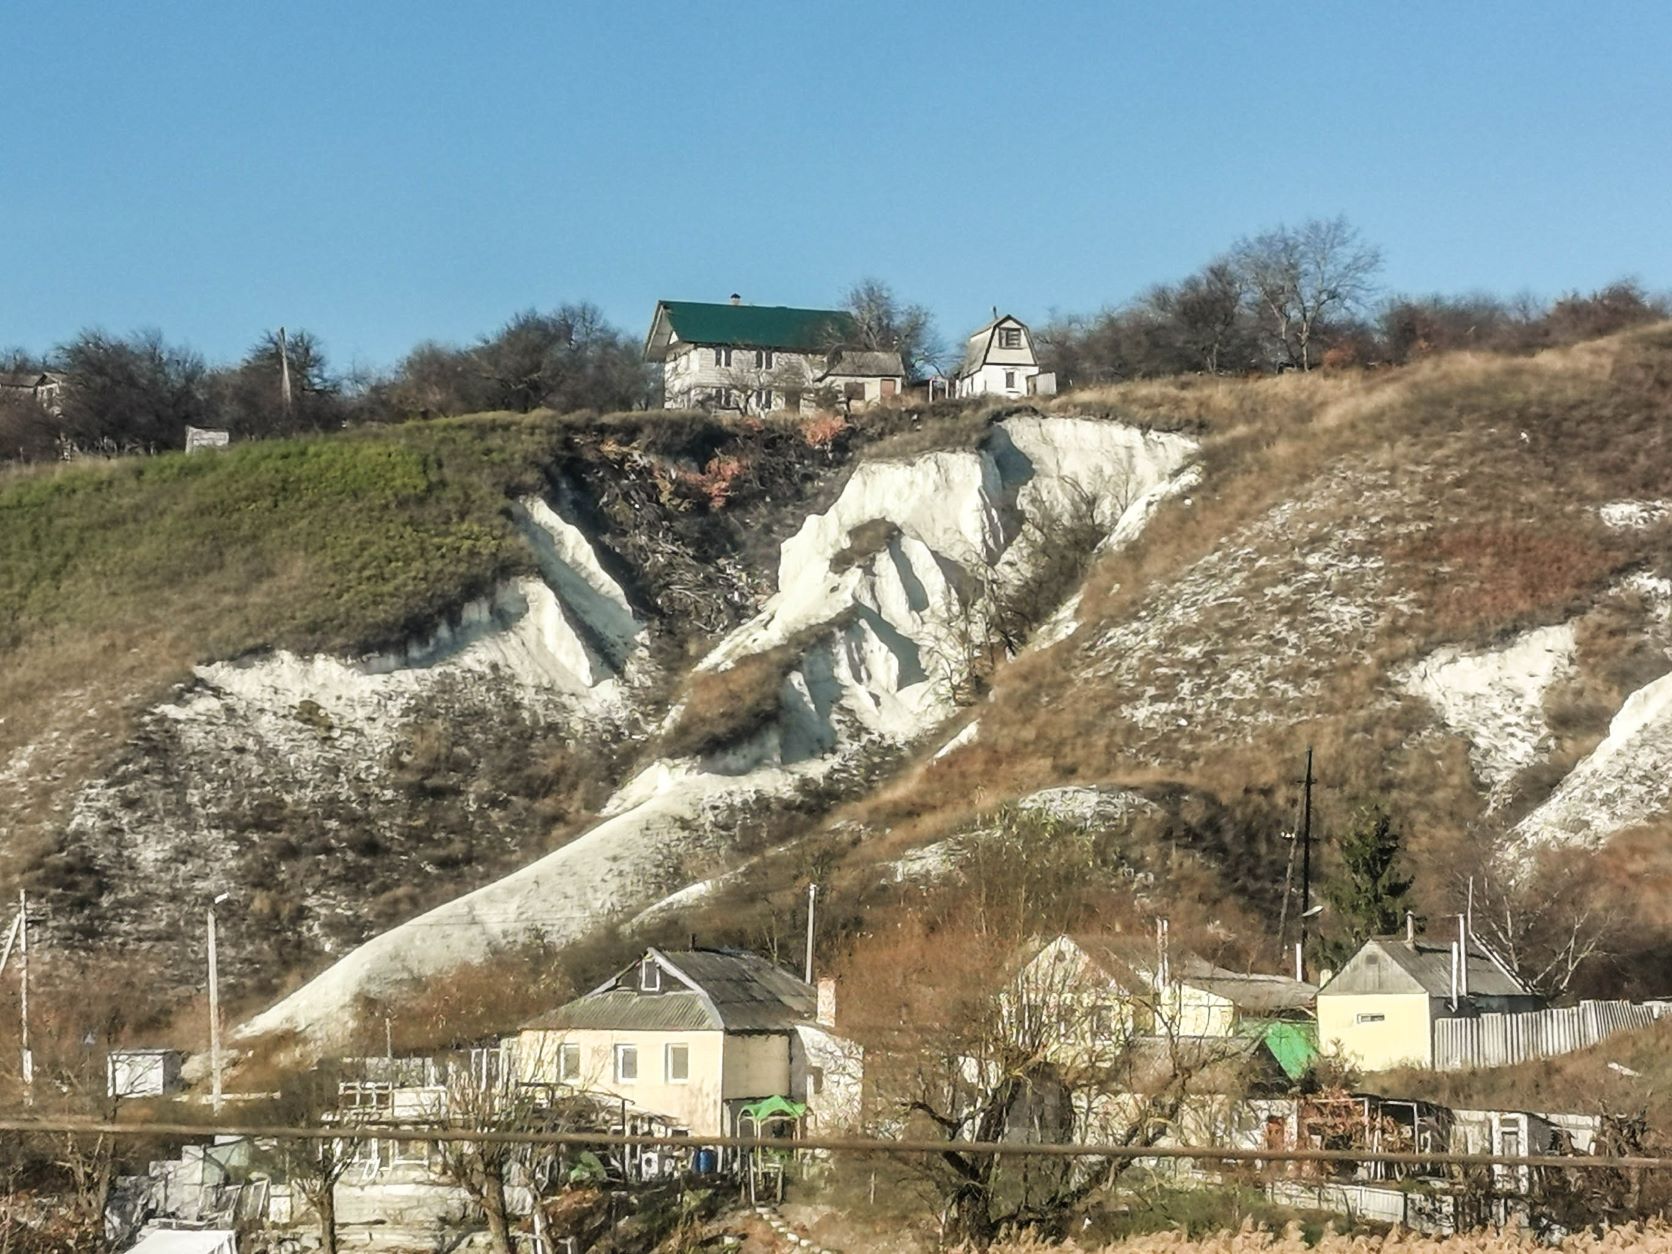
(835, 1145)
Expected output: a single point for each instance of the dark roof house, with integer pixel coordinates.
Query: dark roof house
(1397, 964)
(691, 990)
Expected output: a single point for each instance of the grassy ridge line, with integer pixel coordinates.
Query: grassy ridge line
(343, 542)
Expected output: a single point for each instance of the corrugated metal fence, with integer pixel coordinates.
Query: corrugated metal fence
(1497, 1040)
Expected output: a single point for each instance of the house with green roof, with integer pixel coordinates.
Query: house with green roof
(758, 359)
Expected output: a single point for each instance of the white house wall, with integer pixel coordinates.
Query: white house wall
(694, 1103)
(690, 377)
(827, 1073)
(990, 380)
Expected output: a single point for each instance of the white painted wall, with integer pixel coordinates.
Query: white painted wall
(691, 376)
(1001, 380)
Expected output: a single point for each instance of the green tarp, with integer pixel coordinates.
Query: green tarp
(1293, 1044)
(774, 1108)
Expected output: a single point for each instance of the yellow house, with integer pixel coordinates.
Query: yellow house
(1122, 985)
(689, 1037)
(1380, 1009)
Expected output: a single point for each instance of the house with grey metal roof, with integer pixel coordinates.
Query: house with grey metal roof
(692, 1036)
(1381, 1008)
(757, 359)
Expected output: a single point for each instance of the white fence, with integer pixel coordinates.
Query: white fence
(1498, 1040)
(1421, 1210)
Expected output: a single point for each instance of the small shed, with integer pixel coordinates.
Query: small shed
(143, 1072)
(187, 1241)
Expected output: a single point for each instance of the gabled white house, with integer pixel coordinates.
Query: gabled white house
(999, 360)
(758, 359)
(690, 1037)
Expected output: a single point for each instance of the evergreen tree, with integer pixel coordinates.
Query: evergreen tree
(1368, 896)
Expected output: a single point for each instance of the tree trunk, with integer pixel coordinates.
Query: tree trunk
(325, 1206)
(492, 1192)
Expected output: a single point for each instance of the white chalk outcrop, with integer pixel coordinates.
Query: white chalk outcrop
(1494, 698)
(568, 635)
(1624, 781)
(874, 629)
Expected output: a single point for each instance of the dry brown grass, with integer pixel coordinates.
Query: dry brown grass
(1652, 1238)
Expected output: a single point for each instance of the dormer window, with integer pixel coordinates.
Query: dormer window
(1010, 337)
(650, 976)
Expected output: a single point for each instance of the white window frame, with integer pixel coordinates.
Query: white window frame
(650, 976)
(722, 358)
(763, 359)
(667, 1062)
(622, 1052)
(763, 399)
(568, 1052)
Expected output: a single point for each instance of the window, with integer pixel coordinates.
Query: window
(1009, 378)
(650, 976)
(1362, 1018)
(568, 1063)
(853, 391)
(763, 359)
(722, 357)
(626, 1064)
(792, 399)
(763, 399)
(678, 1064)
(1010, 337)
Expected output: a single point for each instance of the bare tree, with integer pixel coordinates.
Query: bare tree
(314, 1167)
(1301, 276)
(1546, 925)
(881, 321)
(491, 1102)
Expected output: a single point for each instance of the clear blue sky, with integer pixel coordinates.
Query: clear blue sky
(384, 171)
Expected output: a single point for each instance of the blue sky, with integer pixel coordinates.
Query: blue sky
(382, 172)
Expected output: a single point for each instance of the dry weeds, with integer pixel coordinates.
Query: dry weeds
(1647, 1238)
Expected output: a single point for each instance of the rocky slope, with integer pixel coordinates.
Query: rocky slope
(730, 656)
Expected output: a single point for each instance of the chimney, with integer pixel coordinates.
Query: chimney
(826, 1014)
(1410, 929)
(736, 299)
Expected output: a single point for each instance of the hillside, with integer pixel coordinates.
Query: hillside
(507, 680)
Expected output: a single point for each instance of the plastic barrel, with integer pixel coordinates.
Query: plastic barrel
(706, 1162)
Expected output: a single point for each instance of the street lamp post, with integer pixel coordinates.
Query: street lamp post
(214, 1010)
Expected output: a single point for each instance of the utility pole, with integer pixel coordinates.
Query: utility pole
(28, 1059)
(214, 1012)
(812, 902)
(284, 371)
(1305, 862)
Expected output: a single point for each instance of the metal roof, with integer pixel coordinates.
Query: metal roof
(1396, 965)
(864, 363)
(747, 326)
(1262, 994)
(703, 990)
(1130, 961)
